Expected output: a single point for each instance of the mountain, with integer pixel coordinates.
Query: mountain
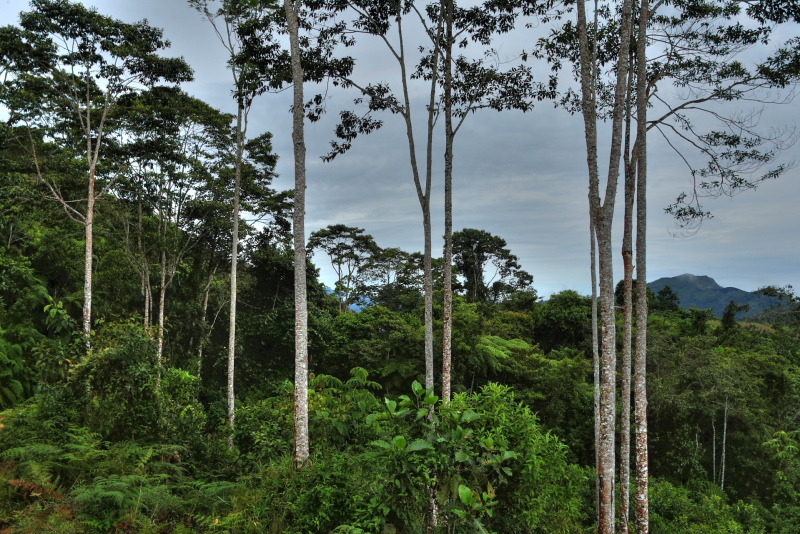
(704, 292)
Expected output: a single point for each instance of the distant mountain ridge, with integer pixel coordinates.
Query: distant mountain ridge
(704, 292)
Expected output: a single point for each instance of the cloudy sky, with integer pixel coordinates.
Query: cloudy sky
(519, 176)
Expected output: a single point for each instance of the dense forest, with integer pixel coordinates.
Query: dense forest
(171, 362)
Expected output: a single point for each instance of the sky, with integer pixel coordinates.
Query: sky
(522, 177)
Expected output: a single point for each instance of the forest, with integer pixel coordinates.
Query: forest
(171, 362)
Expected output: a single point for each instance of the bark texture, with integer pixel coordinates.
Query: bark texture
(627, 334)
(234, 270)
(301, 438)
(601, 213)
(447, 334)
(640, 370)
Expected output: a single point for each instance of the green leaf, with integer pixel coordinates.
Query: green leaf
(400, 442)
(509, 454)
(419, 445)
(465, 494)
(462, 456)
(468, 416)
(382, 444)
(431, 400)
(417, 388)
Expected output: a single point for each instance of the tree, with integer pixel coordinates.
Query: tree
(393, 278)
(350, 251)
(249, 81)
(667, 300)
(601, 215)
(70, 67)
(456, 86)
(475, 251)
(301, 453)
(728, 322)
(174, 138)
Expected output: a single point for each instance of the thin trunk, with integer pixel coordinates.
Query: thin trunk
(602, 216)
(714, 449)
(145, 269)
(448, 206)
(608, 371)
(234, 269)
(640, 371)
(426, 221)
(162, 296)
(424, 196)
(595, 358)
(87, 272)
(204, 337)
(627, 330)
(625, 410)
(724, 445)
(301, 312)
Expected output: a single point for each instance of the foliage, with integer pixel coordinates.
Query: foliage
(491, 272)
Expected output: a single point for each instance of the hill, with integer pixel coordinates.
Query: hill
(704, 292)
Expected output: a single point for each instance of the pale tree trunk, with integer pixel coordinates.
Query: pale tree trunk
(595, 357)
(426, 221)
(724, 445)
(447, 334)
(204, 337)
(301, 438)
(627, 334)
(142, 266)
(234, 270)
(640, 371)
(162, 297)
(87, 272)
(714, 448)
(625, 410)
(602, 216)
(424, 196)
(147, 291)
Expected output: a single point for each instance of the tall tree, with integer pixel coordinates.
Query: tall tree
(301, 439)
(350, 251)
(375, 18)
(83, 63)
(601, 214)
(248, 82)
(174, 138)
(489, 269)
(454, 85)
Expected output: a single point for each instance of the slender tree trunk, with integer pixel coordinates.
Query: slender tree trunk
(87, 272)
(144, 271)
(234, 270)
(625, 410)
(627, 334)
(640, 371)
(608, 376)
(301, 437)
(204, 337)
(595, 358)
(423, 195)
(602, 215)
(448, 204)
(162, 297)
(426, 221)
(724, 445)
(714, 448)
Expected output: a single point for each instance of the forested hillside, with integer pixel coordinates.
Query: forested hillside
(170, 361)
(703, 292)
